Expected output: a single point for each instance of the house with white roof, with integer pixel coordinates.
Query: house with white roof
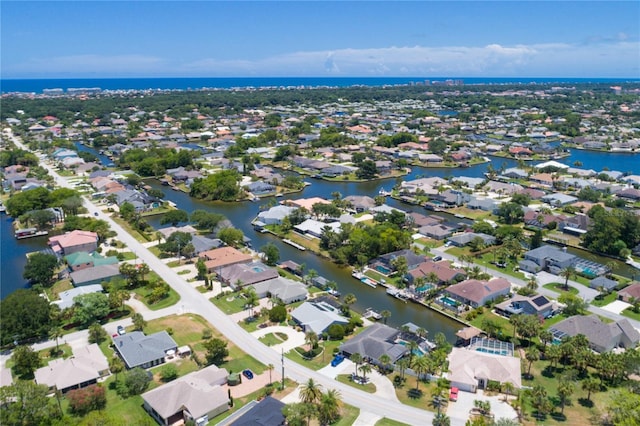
(317, 316)
(84, 368)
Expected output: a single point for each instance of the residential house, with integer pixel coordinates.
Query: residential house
(82, 260)
(197, 397)
(275, 215)
(575, 225)
(630, 293)
(384, 263)
(442, 269)
(84, 368)
(558, 199)
(217, 259)
(317, 317)
(202, 244)
(138, 350)
(437, 232)
(284, 289)
(547, 258)
(629, 193)
(603, 282)
(315, 228)
(538, 305)
(267, 412)
(73, 242)
(462, 239)
(477, 293)
(602, 337)
(67, 296)
(472, 370)
(373, 342)
(95, 274)
(361, 203)
(240, 275)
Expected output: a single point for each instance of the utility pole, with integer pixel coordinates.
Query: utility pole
(282, 360)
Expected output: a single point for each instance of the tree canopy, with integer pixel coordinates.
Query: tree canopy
(24, 315)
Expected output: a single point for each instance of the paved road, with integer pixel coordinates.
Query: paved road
(192, 301)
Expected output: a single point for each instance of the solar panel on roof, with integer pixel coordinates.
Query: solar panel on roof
(540, 300)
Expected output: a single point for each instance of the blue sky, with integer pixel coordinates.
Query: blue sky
(60, 39)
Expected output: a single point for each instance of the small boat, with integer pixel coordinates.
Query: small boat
(392, 291)
(368, 281)
(383, 192)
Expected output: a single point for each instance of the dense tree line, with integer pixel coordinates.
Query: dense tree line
(357, 244)
(223, 185)
(155, 161)
(615, 232)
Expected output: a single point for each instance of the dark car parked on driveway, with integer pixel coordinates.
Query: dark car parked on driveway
(248, 374)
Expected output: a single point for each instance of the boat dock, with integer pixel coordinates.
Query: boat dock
(364, 279)
(21, 234)
(369, 313)
(293, 244)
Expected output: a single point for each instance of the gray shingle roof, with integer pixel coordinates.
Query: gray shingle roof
(137, 349)
(374, 341)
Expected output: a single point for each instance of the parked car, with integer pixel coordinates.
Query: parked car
(437, 258)
(95, 213)
(121, 330)
(337, 360)
(453, 394)
(247, 373)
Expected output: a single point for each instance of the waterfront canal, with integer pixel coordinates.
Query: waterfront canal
(241, 214)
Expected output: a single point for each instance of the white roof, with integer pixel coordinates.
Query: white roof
(467, 366)
(551, 164)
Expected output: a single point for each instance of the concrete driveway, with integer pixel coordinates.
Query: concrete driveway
(617, 306)
(465, 403)
(294, 338)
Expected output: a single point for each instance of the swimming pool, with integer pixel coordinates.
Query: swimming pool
(492, 351)
(424, 288)
(416, 352)
(449, 302)
(383, 270)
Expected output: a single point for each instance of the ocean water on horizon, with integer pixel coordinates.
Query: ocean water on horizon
(180, 83)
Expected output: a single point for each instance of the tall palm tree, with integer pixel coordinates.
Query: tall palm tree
(330, 405)
(420, 366)
(441, 419)
(356, 358)
(568, 273)
(365, 369)
(116, 365)
(385, 315)
(310, 392)
(590, 385)
(385, 360)
(311, 339)
(56, 333)
(403, 364)
(508, 388)
(270, 368)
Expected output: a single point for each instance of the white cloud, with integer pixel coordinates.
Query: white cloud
(537, 60)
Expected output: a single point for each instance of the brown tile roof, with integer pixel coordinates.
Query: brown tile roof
(224, 256)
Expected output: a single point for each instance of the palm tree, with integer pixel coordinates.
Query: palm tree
(532, 284)
(311, 339)
(590, 385)
(568, 273)
(138, 321)
(403, 364)
(441, 419)
(310, 392)
(508, 388)
(420, 366)
(270, 368)
(116, 365)
(565, 389)
(365, 369)
(413, 347)
(330, 404)
(553, 353)
(385, 360)
(56, 332)
(356, 358)
(385, 315)
(532, 354)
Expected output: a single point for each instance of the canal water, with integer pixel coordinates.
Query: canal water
(241, 214)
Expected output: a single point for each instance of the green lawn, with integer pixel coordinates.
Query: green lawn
(230, 303)
(170, 300)
(388, 422)
(348, 416)
(611, 297)
(559, 288)
(630, 314)
(271, 339)
(127, 255)
(422, 399)
(346, 379)
(321, 360)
